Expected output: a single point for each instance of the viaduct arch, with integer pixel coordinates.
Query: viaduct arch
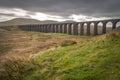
(70, 28)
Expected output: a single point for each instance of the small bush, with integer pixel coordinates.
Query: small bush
(113, 36)
(68, 43)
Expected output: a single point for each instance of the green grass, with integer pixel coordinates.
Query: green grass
(94, 60)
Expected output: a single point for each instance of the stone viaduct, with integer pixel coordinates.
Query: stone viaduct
(70, 28)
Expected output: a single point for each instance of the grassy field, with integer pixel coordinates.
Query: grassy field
(23, 43)
(42, 56)
(94, 60)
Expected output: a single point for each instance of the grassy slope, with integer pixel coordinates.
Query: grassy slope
(94, 60)
(18, 47)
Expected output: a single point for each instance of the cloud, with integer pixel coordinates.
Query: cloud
(42, 17)
(13, 11)
(10, 13)
(85, 18)
(101, 8)
(60, 10)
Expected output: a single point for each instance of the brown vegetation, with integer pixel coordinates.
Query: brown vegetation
(28, 44)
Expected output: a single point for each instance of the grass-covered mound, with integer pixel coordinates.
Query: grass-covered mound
(94, 60)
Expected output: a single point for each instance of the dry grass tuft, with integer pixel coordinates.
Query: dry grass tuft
(13, 67)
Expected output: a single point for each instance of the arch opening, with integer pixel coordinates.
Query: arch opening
(58, 28)
(100, 26)
(72, 27)
(92, 25)
(67, 28)
(51, 28)
(85, 28)
(118, 24)
(109, 26)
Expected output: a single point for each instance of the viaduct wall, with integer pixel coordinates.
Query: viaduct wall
(70, 28)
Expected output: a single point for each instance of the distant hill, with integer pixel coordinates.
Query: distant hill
(24, 21)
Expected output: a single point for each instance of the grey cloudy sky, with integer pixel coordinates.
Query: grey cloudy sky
(60, 9)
